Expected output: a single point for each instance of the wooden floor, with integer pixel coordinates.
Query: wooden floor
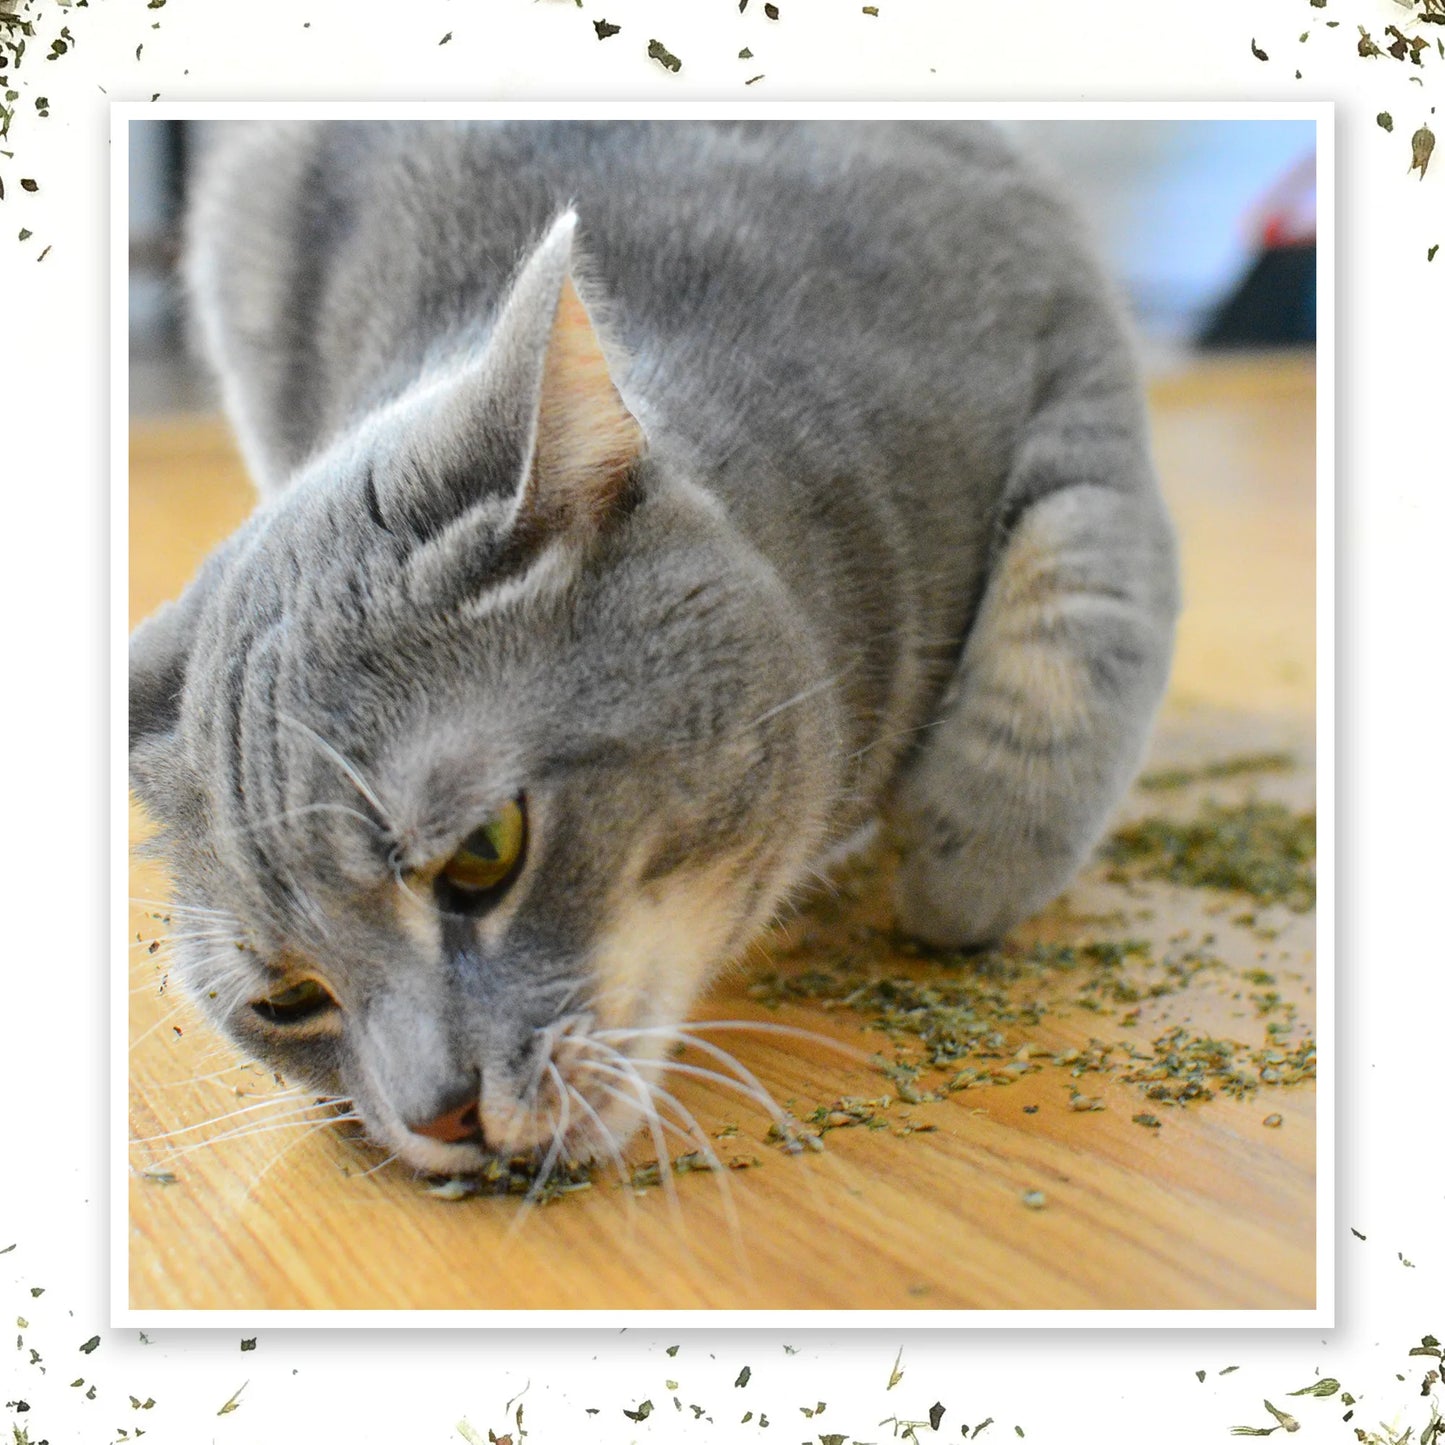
(1026, 1175)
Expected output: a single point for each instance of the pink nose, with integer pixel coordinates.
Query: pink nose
(456, 1127)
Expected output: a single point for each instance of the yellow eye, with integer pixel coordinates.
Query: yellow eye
(295, 1003)
(489, 855)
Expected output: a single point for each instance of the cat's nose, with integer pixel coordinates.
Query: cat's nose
(459, 1125)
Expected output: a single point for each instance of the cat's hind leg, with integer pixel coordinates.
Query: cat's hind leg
(1045, 719)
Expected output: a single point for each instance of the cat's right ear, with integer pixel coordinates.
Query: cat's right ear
(160, 651)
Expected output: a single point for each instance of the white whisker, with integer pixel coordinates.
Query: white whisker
(798, 697)
(695, 1134)
(605, 1135)
(747, 1076)
(301, 811)
(642, 1103)
(282, 1153)
(254, 1130)
(549, 1162)
(764, 1026)
(230, 1068)
(286, 1096)
(348, 768)
(390, 1158)
(182, 910)
(160, 1023)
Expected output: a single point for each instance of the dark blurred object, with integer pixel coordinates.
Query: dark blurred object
(158, 186)
(163, 376)
(1275, 303)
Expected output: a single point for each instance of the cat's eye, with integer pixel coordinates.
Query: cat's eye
(488, 857)
(299, 1002)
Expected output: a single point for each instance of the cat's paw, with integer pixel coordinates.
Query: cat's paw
(956, 892)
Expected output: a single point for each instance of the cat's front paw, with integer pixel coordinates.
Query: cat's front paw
(950, 893)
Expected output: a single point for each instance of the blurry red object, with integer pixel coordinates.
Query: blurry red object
(1286, 214)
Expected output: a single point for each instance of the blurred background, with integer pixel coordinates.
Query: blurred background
(1209, 226)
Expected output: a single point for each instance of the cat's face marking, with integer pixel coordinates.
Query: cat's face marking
(486, 598)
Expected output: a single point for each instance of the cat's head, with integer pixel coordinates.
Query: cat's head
(478, 749)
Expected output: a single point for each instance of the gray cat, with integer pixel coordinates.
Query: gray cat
(645, 508)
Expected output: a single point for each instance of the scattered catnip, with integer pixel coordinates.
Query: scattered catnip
(234, 1403)
(1287, 1421)
(1261, 849)
(1422, 146)
(660, 53)
(1245, 765)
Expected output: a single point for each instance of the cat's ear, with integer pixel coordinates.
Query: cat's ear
(586, 441)
(534, 436)
(160, 650)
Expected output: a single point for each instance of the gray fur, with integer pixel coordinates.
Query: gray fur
(895, 548)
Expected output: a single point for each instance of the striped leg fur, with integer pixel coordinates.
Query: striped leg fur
(1046, 717)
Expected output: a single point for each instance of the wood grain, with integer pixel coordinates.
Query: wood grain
(925, 1210)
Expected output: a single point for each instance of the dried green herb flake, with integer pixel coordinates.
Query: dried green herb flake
(660, 53)
(1422, 146)
(1287, 1421)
